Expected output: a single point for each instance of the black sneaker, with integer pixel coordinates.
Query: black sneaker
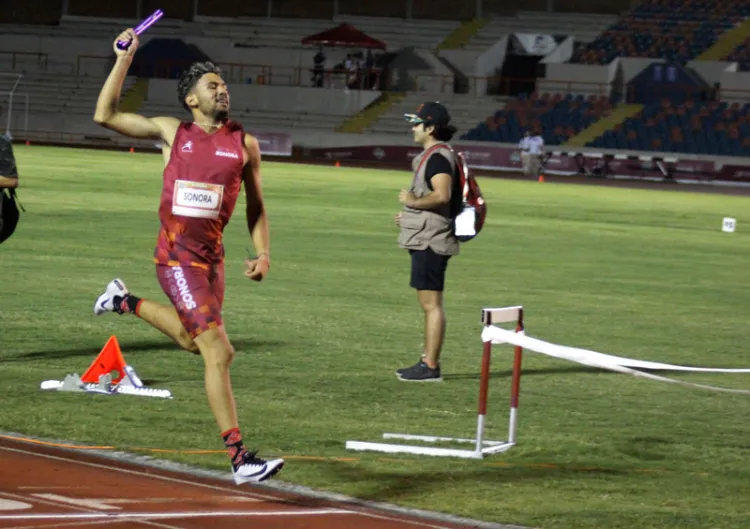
(421, 373)
(254, 469)
(405, 369)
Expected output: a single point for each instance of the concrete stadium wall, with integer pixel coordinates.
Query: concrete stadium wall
(417, 70)
(277, 98)
(354, 140)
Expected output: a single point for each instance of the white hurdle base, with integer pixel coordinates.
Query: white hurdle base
(488, 447)
(482, 448)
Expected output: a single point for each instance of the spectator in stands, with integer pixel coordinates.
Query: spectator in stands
(426, 229)
(369, 70)
(319, 62)
(532, 149)
(712, 93)
(352, 68)
(348, 65)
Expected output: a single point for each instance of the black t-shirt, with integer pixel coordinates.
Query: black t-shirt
(437, 164)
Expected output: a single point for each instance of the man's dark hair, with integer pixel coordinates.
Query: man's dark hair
(444, 133)
(190, 77)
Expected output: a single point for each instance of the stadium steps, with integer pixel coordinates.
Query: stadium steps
(461, 36)
(596, 129)
(134, 96)
(726, 43)
(371, 113)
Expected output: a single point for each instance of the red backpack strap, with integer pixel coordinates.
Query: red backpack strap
(460, 162)
(430, 151)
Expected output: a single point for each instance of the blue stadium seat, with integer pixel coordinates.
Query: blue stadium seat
(652, 28)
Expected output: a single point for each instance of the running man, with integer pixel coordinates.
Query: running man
(206, 162)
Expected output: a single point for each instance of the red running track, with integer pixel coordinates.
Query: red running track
(45, 487)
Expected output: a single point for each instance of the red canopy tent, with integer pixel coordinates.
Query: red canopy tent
(344, 36)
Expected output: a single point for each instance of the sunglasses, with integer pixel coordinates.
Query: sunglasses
(413, 119)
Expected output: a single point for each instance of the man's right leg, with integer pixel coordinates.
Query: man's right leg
(536, 165)
(427, 278)
(118, 299)
(525, 163)
(198, 296)
(165, 319)
(217, 353)
(431, 302)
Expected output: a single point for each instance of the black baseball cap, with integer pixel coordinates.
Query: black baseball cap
(430, 113)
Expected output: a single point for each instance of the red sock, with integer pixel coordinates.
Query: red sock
(130, 303)
(235, 446)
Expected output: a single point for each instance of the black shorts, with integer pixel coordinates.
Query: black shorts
(428, 269)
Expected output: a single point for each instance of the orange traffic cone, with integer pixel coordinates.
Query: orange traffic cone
(132, 149)
(109, 359)
(338, 164)
(541, 178)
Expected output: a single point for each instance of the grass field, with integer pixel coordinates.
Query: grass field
(645, 274)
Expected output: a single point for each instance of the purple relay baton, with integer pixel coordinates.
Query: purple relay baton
(143, 26)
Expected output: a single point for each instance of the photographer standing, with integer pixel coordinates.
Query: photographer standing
(430, 206)
(532, 149)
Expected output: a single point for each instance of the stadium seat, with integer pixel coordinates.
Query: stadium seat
(675, 30)
(713, 127)
(554, 116)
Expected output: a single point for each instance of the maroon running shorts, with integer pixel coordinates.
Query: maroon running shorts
(196, 293)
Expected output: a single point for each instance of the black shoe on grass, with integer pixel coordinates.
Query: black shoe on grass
(421, 372)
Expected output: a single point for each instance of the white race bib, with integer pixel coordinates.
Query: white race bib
(197, 199)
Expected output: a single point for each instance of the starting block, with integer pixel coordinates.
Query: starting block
(98, 378)
(482, 447)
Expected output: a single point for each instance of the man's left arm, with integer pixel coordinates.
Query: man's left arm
(8, 183)
(257, 219)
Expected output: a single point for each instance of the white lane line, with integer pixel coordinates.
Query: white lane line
(74, 508)
(166, 515)
(98, 505)
(55, 487)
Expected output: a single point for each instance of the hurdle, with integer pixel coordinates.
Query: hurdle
(482, 447)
